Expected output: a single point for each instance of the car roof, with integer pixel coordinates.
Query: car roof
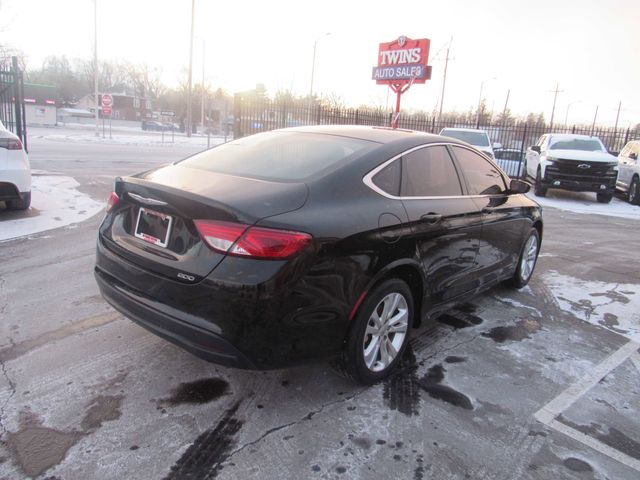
(572, 136)
(373, 134)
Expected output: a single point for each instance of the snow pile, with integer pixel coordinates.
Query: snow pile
(614, 306)
(55, 202)
(577, 202)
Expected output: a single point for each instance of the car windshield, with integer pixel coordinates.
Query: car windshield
(586, 145)
(278, 156)
(474, 138)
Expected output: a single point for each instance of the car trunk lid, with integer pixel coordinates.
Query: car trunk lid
(153, 225)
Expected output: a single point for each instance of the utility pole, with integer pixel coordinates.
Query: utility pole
(444, 79)
(506, 102)
(202, 106)
(553, 110)
(189, 106)
(593, 125)
(313, 71)
(95, 64)
(618, 115)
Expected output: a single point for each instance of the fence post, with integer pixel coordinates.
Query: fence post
(522, 147)
(357, 117)
(237, 116)
(626, 136)
(17, 98)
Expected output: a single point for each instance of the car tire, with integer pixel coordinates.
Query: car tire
(634, 192)
(372, 350)
(539, 189)
(604, 197)
(20, 203)
(527, 260)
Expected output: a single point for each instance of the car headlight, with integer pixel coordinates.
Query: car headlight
(551, 160)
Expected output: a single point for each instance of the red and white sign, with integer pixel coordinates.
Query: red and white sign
(402, 61)
(106, 111)
(107, 100)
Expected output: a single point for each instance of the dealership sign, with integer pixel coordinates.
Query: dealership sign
(403, 60)
(402, 63)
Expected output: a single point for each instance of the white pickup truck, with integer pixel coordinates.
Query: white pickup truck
(579, 163)
(629, 171)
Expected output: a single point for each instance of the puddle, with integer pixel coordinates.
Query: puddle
(103, 408)
(37, 448)
(516, 333)
(431, 383)
(577, 465)
(459, 319)
(455, 359)
(204, 457)
(199, 391)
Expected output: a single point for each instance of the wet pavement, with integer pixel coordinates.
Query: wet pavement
(541, 383)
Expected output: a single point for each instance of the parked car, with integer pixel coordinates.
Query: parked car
(477, 138)
(315, 242)
(579, 163)
(629, 172)
(154, 126)
(15, 172)
(511, 160)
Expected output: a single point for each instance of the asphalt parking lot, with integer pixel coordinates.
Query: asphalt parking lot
(541, 383)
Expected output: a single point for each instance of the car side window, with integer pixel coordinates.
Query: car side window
(429, 172)
(388, 179)
(482, 177)
(626, 151)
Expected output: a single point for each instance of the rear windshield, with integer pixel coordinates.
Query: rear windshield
(278, 156)
(576, 144)
(479, 139)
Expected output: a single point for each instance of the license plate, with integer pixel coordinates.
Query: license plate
(153, 227)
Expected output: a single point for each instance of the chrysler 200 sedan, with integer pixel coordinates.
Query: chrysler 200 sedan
(314, 242)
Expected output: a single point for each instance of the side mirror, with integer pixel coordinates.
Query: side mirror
(633, 156)
(518, 186)
(535, 148)
(496, 145)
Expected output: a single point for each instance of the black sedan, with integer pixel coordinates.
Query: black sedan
(313, 242)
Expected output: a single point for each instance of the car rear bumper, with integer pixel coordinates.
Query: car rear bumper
(276, 322)
(163, 322)
(14, 184)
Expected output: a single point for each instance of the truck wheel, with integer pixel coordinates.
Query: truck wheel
(604, 197)
(539, 189)
(634, 192)
(21, 203)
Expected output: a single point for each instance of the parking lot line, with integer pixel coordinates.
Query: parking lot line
(549, 412)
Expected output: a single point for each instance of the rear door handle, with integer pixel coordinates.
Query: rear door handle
(431, 218)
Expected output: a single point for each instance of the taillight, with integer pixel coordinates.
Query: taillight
(256, 242)
(11, 143)
(112, 202)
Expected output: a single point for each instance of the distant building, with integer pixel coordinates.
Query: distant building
(125, 107)
(40, 104)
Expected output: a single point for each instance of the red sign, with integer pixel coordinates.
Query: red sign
(107, 100)
(106, 111)
(402, 61)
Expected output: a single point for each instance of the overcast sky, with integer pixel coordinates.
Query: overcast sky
(588, 47)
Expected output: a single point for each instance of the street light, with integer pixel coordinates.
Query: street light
(480, 99)
(566, 115)
(313, 64)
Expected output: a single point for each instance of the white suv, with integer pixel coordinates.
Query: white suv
(15, 172)
(629, 171)
(477, 138)
(579, 163)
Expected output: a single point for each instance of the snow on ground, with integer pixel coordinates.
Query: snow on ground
(580, 202)
(613, 306)
(134, 139)
(55, 203)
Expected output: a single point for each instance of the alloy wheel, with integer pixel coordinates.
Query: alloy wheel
(529, 255)
(385, 333)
